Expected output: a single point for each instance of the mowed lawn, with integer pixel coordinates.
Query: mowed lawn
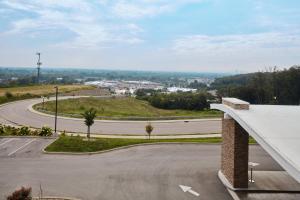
(79, 145)
(120, 107)
(42, 89)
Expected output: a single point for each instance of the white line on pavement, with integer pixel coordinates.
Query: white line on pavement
(11, 153)
(7, 141)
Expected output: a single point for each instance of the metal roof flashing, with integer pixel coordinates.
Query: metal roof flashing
(275, 128)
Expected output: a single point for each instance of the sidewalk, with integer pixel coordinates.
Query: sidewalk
(269, 185)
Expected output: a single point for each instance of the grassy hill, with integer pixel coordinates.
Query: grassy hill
(9, 94)
(120, 108)
(41, 89)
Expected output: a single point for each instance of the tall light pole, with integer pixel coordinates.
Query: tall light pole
(38, 67)
(55, 122)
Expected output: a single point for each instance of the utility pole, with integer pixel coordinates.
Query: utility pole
(55, 122)
(38, 67)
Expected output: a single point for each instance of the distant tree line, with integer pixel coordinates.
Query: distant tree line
(271, 87)
(179, 100)
(197, 85)
(13, 76)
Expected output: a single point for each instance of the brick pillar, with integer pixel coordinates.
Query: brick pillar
(234, 164)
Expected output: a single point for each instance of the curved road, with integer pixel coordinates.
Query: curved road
(20, 113)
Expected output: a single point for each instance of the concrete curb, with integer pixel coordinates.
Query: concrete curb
(29, 136)
(229, 187)
(54, 198)
(181, 136)
(120, 148)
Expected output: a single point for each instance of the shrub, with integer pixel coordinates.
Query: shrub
(149, 128)
(2, 130)
(181, 100)
(21, 194)
(10, 130)
(63, 134)
(45, 131)
(9, 95)
(24, 131)
(35, 133)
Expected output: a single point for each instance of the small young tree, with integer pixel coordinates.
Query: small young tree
(149, 128)
(89, 116)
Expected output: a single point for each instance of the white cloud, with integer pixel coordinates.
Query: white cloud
(241, 51)
(127, 10)
(147, 8)
(82, 18)
(93, 23)
(204, 44)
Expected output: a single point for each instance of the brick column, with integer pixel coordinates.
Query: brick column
(234, 164)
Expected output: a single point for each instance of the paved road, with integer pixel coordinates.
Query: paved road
(19, 113)
(144, 172)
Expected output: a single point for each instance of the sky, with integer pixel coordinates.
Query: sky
(156, 35)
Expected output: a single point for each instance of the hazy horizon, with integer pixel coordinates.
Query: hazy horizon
(171, 36)
(47, 68)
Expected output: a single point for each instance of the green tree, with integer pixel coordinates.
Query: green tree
(270, 87)
(149, 128)
(89, 116)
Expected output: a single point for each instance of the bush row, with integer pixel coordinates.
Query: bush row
(9, 97)
(180, 100)
(24, 131)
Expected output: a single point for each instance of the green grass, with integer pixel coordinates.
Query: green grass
(42, 89)
(36, 91)
(120, 108)
(77, 144)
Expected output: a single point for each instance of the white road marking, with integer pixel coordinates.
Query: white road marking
(189, 189)
(7, 141)
(11, 153)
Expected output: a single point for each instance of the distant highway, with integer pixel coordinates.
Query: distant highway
(20, 113)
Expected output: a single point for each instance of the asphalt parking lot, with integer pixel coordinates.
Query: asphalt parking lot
(22, 147)
(143, 172)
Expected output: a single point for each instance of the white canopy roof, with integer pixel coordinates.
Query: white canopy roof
(276, 128)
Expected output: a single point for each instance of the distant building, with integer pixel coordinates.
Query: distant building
(125, 87)
(180, 89)
(212, 92)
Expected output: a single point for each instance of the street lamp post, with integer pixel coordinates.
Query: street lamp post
(252, 165)
(43, 102)
(56, 94)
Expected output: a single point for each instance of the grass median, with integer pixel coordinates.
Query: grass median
(80, 145)
(121, 108)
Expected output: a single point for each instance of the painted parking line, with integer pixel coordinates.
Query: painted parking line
(7, 141)
(11, 153)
